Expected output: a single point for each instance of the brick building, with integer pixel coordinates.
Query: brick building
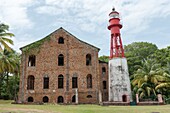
(60, 68)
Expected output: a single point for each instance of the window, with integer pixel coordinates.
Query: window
(104, 85)
(45, 99)
(89, 81)
(30, 99)
(88, 59)
(103, 70)
(60, 60)
(46, 82)
(60, 81)
(31, 60)
(30, 82)
(74, 98)
(74, 82)
(89, 96)
(60, 99)
(61, 40)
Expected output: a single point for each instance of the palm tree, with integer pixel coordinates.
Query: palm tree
(147, 77)
(9, 64)
(4, 40)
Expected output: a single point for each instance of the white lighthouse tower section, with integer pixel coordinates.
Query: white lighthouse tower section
(119, 82)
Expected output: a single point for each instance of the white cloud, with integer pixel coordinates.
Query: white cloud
(137, 14)
(14, 13)
(83, 16)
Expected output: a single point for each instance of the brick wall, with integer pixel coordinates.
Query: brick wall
(74, 52)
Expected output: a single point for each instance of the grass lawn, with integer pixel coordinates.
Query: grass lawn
(6, 106)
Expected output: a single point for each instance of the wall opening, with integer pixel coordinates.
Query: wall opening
(103, 70)
(31, 60)
(45, 99)
(30, 82)
(89, 81)
(61, 60)
(61, 40)
(60, 99)
(88, 60)
(124, 98)
(46, 83)
(74, 82)
(89, 96)
(104, 85)
(74, 98)
(60, 81)
(30, 99)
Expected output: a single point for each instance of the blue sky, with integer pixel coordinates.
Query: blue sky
(143, 20)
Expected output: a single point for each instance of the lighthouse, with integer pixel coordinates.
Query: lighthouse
(119, 82)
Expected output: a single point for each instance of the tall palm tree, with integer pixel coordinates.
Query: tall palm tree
(4, 37)
(147, 77)
(9, 63)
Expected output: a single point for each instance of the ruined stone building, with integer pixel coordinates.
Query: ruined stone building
(61, 68)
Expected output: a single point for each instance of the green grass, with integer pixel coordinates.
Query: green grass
(6, 106)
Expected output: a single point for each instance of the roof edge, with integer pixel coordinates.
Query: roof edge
(56, 31)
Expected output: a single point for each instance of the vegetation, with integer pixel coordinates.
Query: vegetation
(4, 37)
(6, 106)
(36, 44)
(9, 65)
(138, 52)
(104, 58)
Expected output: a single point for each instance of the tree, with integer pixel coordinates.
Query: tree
(161, 56)
(9, 64)
(104, 58)
(4, 40)
(137, 52)
(148, 78)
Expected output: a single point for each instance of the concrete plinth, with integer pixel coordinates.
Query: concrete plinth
(119, 82)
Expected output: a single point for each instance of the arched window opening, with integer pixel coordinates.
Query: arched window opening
(60, 99)
(104, 85)
(61, 60)
(31, 60)
(103, 70)
(89, 96)
(74, 98)
(88, 59)
(124, 98)
(30, 82)
(74, 82)
(60, 81)
(61, 40)
(30, 99)
(46, 83)
(89, 81)
(45, 99)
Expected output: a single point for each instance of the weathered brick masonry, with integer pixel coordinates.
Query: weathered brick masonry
(56, 67)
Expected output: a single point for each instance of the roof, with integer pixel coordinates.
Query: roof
(103, 62)
(43, 39)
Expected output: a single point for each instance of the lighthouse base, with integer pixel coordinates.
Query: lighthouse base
(119, 82)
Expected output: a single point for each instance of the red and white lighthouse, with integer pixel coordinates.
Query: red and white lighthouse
(116, 48)
(119, 82)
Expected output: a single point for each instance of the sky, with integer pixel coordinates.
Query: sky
(143, 20)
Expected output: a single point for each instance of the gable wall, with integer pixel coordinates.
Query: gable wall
(74, 52)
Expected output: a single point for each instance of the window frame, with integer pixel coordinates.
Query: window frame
(74, 82)
(89, 81)
(46, 82)
(60, 60)
(60, 81)
(60, 40)
(30, 82)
